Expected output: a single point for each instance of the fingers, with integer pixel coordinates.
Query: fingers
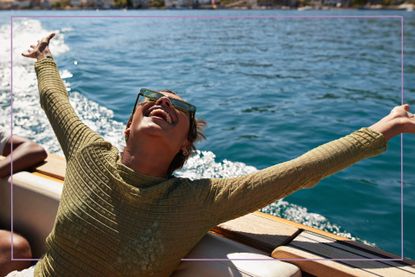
(44, 42)
(396, 109)
(406, 107)
(28, 55)
(51, 35)
(48, 38)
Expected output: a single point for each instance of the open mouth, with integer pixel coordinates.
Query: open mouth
(160, 113)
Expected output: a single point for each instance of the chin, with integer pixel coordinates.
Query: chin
(151, 129)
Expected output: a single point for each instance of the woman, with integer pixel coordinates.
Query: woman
(124, 215)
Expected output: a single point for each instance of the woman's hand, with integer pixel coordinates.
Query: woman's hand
(399, 121)
(41, 50)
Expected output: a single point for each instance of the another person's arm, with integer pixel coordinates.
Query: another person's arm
(233, 197)
(71, 132)
(26, 154)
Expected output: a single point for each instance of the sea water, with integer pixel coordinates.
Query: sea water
(270, 88)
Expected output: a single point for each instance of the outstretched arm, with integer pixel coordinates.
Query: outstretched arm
(72, 134)
(233, 197)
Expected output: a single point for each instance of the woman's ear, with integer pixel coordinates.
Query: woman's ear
(127, 130)
(127, 133)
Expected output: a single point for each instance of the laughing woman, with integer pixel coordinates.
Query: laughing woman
(122, 214)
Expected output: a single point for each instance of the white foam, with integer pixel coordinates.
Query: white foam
(65, 74)
(67, 30)
(299, 214)
(28, 118)
(203, 165)
(99, 118)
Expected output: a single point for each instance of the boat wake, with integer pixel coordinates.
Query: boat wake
(30, 121)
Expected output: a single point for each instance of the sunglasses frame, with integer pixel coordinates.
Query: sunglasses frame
(155, 95)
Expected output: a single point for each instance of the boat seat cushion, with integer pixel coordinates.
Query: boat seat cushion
(230, 258)
(35, 203)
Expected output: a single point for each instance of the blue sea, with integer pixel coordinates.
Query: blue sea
(271, 86)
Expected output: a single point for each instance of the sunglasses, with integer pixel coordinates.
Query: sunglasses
(148, 95)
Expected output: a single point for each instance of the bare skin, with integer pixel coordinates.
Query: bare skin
(151, 136)
(21, 250)
(398, 121)
(153, 143)
(25, 155)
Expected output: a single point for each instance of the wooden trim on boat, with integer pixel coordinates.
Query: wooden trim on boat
(258, 232)
(37, 173)
(300, 226)
(54, 166)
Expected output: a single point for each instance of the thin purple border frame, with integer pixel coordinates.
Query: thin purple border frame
(217, 17)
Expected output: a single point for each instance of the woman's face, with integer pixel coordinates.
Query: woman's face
(162, 123)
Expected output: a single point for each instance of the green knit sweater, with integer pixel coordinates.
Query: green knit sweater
(113, 221)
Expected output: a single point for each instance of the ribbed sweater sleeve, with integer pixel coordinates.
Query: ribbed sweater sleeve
(72, 134)
(233, 197)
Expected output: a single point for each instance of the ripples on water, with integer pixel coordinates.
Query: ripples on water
(270, 89)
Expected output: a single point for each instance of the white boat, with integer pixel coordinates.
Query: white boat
(409, 7)
(254, 245)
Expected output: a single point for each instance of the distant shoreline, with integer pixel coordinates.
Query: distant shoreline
(282, 8)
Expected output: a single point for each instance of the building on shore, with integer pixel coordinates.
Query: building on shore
(336, 3)
(177, 3)
(102, 4)
(6, 4)
(189, 3)
(60, 4)
(238, 4)
(140, 4)
(23, 4)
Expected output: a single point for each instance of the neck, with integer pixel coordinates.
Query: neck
(146, 160)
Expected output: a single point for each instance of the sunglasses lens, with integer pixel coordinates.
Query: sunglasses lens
(149, 95)
(143, 99)
(183, 106)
